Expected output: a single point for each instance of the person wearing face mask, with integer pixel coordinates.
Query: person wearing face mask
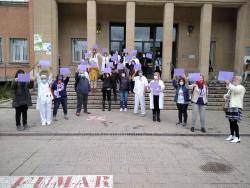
(106, 90)
(82, 88)
(114, 78)
(59, 89)
(144, 63)
(21, 100)
(45, 97)
(105, 60)
(94, 70)
(124, 88)
(235, 95)
(140, 87)
(199, 99)
(156, 96)
(182, 99)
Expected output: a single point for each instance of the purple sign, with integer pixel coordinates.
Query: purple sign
(134, 52)
(64, 71)
(178, 72)
(138, 67)
(44, 63)
(125, 50)
(93, 64)
(154, 85)
(128, 58)
(84, 62)
(120, 66)
(95, 46)
(107, 70)
(23, 78)
(110, 64)
(82, 67)
(149, 55)
(224, 75)
(114, 58)
(87, 55)
(194, 76)
(104, 50)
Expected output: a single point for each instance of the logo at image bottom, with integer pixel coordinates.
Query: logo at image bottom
(69, 181)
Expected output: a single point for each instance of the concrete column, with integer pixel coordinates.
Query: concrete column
(91, 23)
(168, 22)
(46, 24)
(242, 22)
(130, 25)
(205, 38)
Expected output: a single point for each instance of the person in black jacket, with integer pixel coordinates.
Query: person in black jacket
(124, 88)
(106, 90)
(114, 78)
(21, 99)
(59, 89)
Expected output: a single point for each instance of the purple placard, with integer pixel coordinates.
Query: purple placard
(82, 67)
(128, 58)
(44, 63)
(23, 78)
(125, 50)
(114, 58)
(224, 75)
(138, 67)
(107, 70)
(154, 85)
(95, 46)
(149, 55)
(194, 76)
(84, 62)
(120, 66)
(179, 72)
(110, 64)
(134, 52)
(64, 71)
(93, 64)
(104, 50)
(87, 55)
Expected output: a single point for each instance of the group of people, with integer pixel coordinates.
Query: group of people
(127, 80)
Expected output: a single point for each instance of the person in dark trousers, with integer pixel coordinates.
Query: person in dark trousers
(59, 90)
(114, 78)
(106, 90)
(21, 99)
(144, 63)
(82, 87)
(124, 88)
(182, 99)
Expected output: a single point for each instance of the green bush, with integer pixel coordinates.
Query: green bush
(5, 91)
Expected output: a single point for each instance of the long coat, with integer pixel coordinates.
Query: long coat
(161, 96)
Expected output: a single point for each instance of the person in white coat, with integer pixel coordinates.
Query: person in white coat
(105, 61)
(140, 87)
(235, 96)
(45, 97)
(156, 96)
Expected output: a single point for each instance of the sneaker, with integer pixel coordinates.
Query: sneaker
(66, 117)
(178, 123)
(121, 109)
(125, 109)
(43, 123)
(87, 112)
(25, 127)
(77, 114)
(192, 129)
(231, 137)
(135, 113)
(235, 140)
(19, 128)
(203, 130)
(184, 124)
(143, 115)
(48, 123)
(54, 118)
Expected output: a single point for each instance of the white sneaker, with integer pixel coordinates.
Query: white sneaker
(125, 109)
(48, 123)
(235, 140)
(231, 137)
(121, 109)
(43, 123)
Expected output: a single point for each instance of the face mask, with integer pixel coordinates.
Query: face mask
(44, 81)
(181, 83)
(156, 77)
(123, 75)
(140, 74)
(144, 56)
(82, 75)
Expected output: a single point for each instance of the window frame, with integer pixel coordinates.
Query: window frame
(72, 49)
(1, 50)
(11, 55)
(113, 24)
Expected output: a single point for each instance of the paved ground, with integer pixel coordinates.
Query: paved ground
(145, 161)
(119, 122)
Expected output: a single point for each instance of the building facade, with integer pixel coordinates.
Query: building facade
(188, 34)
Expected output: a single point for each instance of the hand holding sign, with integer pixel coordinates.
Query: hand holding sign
(120, 66)
(23, 78)
(44, 63)
(154, 85)
(82, 67)
(224, 75)
(64, 71)
(194, 77)
(178, 72)
(149, 55)
(138, 67)
(107, 70)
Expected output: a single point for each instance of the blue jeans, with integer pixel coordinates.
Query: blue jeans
(123, 99)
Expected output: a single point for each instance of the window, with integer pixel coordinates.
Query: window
(19, 50)
(1, 53)
(117, 37)
(78, 49)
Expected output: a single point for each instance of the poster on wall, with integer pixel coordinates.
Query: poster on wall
(38, 42)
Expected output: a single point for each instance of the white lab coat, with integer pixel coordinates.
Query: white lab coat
(105, 61)
(161, 96)
(139, 90)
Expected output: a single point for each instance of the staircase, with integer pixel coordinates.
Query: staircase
(215, 98)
